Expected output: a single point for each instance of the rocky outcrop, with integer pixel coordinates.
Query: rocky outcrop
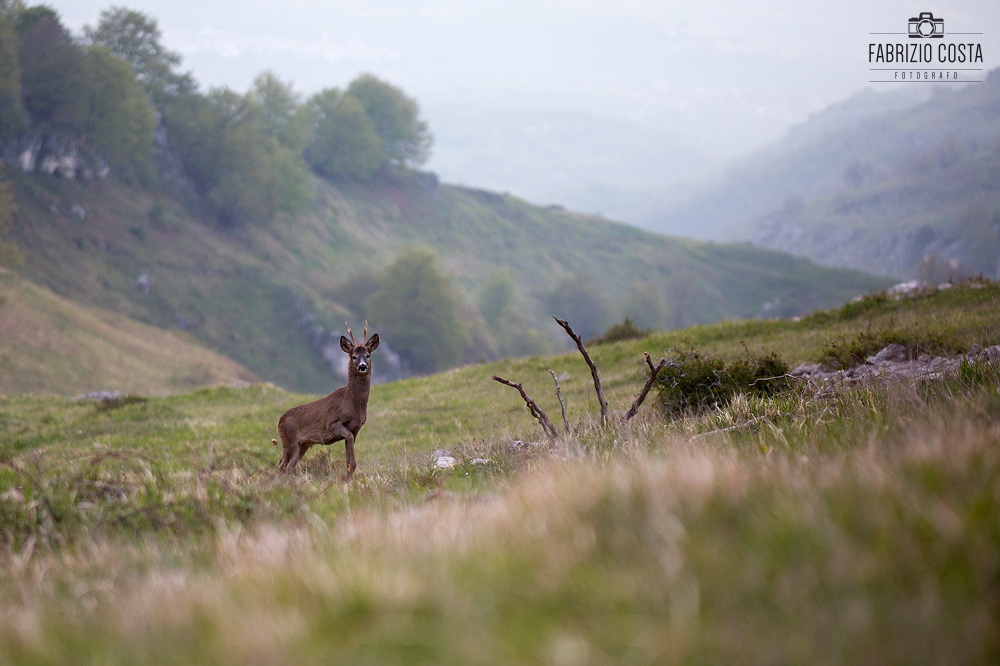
(53, 154)
(892, 362)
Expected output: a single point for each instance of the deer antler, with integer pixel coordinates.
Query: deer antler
(350, 334)
(364, 336)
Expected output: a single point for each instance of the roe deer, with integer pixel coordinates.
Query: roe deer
(338, 416)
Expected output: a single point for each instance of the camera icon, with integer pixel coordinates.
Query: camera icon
(926, 25)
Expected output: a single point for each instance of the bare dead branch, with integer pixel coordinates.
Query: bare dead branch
(561, 403)
(593, 368)
(649, 362)
(533, 407)
(637, 403)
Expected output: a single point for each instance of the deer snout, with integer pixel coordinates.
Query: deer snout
(362, 367)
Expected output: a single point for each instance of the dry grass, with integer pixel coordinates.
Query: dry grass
(49, 344)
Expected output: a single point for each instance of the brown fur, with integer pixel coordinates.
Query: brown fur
(338, 416)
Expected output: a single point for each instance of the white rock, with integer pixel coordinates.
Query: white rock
(908, 288)
(444, 462)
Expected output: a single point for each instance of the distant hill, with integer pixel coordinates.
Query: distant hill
(267, 296)
(49, 344)
(879, 192)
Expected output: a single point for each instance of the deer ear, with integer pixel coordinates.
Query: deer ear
(346, 345)
(372, 343)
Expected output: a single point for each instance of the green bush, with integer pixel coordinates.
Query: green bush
(695, 381)
(626, 330)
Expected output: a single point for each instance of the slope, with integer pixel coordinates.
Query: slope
(267, 297)
(876, 194)
(49, 344)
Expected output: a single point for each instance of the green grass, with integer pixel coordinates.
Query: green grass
(850, 526)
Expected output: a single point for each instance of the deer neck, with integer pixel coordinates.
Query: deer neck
(359, 386)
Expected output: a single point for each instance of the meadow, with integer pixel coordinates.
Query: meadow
(857, 525)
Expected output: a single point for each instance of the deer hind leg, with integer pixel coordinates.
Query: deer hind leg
(297, 453)
(289, 446)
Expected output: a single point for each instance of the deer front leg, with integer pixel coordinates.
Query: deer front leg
(340, 431)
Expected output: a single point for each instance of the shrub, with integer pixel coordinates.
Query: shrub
(626, 330)
(695, 381)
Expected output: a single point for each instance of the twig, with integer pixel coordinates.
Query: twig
(533, 407)
(593, 368)
(767, 379)
(637, 403)
(561, 403)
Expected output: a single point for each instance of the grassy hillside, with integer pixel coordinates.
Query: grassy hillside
(877, 194)
(49, 344)
(854, 526)
(255, 294)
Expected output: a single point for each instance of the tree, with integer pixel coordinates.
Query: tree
(417, 311)
(257, 176)
(580, 302)
(503, 310)
(119, 119)
(644, 305)
(135, 37)
(396, 118)
(278, 107)
(11, 109)
(353, 293)
(343, 142)
(245, 176)
(53, 74)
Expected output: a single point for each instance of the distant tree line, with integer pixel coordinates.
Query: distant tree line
(57, 86)
(247, 156)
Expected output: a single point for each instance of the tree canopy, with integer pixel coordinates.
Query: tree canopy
(118, 117)
(11, 108)
(343, 142)
(419, 310)
(580, 301)
(135, 37)
(396, 119)
(53, 73)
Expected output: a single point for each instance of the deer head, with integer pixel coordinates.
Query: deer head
(360, 353)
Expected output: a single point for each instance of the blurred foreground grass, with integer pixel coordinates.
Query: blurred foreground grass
(855, 526)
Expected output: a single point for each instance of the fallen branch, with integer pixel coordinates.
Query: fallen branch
(533, 407)
(593, 368)
(653, 372)
(561, 403)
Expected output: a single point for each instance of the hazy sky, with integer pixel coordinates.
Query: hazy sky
(722, 77)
